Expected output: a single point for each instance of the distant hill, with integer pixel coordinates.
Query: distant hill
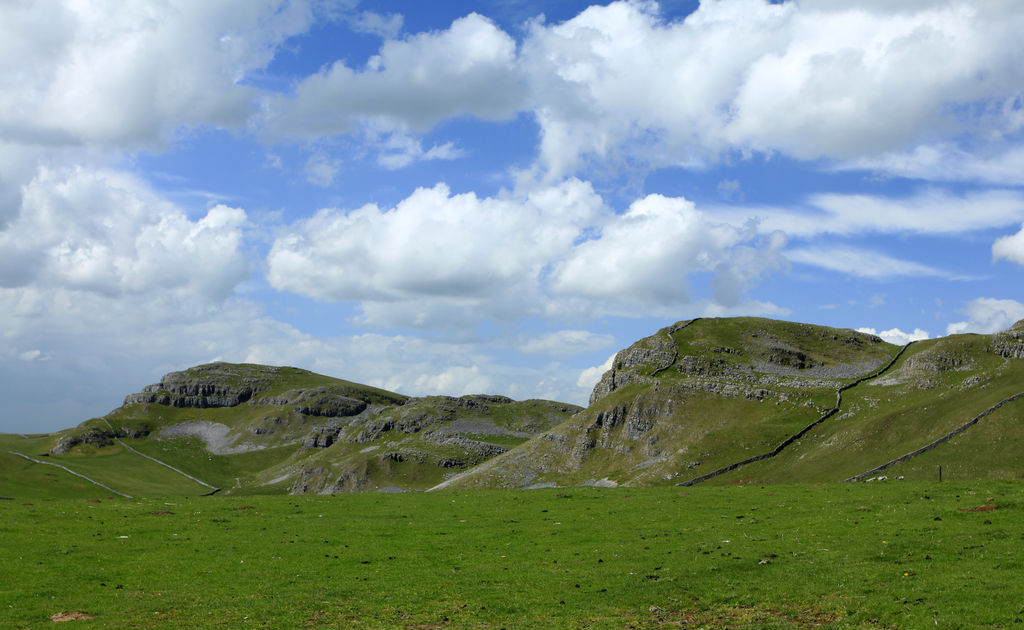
(261, 429)
(749, 400)
(731, 400)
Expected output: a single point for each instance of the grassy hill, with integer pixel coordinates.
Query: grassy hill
(760, 396)
(730, 400)
(253, 429)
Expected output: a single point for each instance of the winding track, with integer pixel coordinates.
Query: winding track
(796, 436)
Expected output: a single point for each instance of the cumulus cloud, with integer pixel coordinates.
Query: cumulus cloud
(96, 72)
(988, 315)
(1010, 247)
(412, 83)
(807, 80)
(439, 259)
(399, 150)
(67, 354)
(897, 336)
(107, 232)
(385, 26)
(590, 376)
(646, 254)
(435, 250)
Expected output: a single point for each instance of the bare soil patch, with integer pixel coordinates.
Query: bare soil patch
(71, 616)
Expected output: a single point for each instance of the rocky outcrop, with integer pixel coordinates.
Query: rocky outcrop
(93, 437)
(321, 437)
(658, 351)
(481, 450)
(96, 437)
(316, 401)
(197, 395)
(204, 386)
(324, 480)
(1009, 344)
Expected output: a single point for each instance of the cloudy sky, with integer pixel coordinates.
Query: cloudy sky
(460, 197)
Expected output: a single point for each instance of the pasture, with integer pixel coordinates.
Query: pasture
(884, 554)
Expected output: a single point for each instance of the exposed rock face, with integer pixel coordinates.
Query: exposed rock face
(323, 480)
(316, 401)
(212, 385)
(321, 437)
(941, 358)
(228, 385)
(658, 351)
(642, 417)
(1009, 344)
(93, 437)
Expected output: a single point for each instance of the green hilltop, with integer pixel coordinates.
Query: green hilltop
(749, 400)
(254, 429)
(713, 401)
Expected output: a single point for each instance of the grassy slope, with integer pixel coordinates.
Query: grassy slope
(22, 479)
(893, 415)
(113, 466)
(279, 453)
(701, 431)
(744, 557)
(412, 474)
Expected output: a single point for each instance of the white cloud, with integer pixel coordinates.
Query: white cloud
(398, 150)
(590, 376)
(385, 26)
(897, 336)
(129, 75)
(68, 355)
(928, 211)
(988, 315)
(862, 263)
(413, 83)
(107, 232)
(645, 255)
(1010, 247)
(438, 259)
(321, 169)
(999, 165)
(565, 343)
(807, 80)
(435, 254)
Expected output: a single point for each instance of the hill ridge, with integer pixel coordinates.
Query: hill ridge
(751, 400)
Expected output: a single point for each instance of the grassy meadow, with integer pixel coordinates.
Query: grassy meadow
(890, 555)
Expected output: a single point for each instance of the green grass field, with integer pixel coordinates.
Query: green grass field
(890, 555)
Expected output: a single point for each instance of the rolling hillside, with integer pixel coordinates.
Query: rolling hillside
(750, 400)
(732, 400)
(259, 429)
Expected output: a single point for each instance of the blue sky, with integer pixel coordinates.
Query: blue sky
(464, 197)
